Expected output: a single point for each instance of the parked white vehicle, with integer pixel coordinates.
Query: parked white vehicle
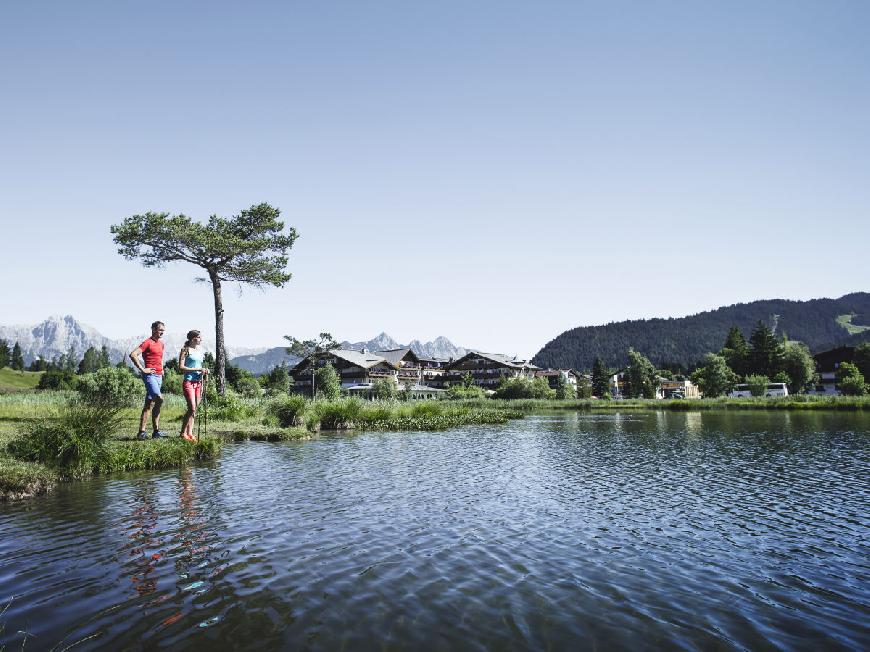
(773, 389)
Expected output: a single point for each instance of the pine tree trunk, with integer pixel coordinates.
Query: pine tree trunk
(219, 355)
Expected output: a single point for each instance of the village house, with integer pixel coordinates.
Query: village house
(677, 389)
(487, 369)
(358, 370)
(552, 376)
(827, 364)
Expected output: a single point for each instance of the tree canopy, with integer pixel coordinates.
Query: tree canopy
(250, 248)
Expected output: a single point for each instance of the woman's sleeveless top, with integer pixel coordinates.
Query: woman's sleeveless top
(194, 359)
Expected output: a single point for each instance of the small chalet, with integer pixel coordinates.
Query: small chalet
(827, 364)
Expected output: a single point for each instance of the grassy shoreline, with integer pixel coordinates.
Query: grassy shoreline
(293, 419)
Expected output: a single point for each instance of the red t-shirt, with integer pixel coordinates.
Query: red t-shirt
(152, 352)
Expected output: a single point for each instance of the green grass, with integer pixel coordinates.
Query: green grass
(13, 381)
(846, 322)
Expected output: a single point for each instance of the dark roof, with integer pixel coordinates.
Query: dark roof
(394, 356)
(827, 360)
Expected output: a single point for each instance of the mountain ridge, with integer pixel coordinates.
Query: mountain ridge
(684, 340)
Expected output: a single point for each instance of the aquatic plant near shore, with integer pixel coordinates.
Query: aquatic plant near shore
(337, 415)
(79, 444)
(288, 410)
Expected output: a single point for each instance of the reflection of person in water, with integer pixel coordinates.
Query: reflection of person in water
(144, 550)
(191, 532)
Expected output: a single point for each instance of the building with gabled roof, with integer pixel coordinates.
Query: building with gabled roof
(487, 369)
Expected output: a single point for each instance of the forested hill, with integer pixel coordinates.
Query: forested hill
(818, 323)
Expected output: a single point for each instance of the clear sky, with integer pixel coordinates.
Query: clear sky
(494, 172)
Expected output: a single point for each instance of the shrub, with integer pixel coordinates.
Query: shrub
(110, 387)
(384, 389)
(230, 407)
(757, 384)
(277, 381)
(289, 410)
(55, 379)
(521, 387)
(172, 382)
(249, 388)
(460, 392)
(853, 386)
(75, 443)
(326, 383)
(334, 415)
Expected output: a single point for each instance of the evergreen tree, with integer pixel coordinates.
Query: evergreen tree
(70, 361)
(90, 362)
(38, 365)
(104, 359)
(564, 389)
(250, 248)
(17, 360)
(765, 353)
(600, 379)
(736, 351)
(5, 354)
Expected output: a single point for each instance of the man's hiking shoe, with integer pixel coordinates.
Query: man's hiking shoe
(142, 435)
(158, 435)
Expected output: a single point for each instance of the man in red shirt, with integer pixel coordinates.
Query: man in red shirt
(152, 374)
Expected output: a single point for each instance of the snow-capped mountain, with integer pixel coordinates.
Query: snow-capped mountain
(57, 335)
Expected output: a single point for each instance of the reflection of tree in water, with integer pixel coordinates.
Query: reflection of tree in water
(145, 549)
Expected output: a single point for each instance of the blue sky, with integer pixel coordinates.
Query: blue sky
(495, 172)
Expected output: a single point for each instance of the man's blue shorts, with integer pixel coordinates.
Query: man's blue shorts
(153, 383)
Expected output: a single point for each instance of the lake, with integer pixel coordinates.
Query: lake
(644, 530)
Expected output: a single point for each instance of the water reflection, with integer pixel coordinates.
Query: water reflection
(617, 531)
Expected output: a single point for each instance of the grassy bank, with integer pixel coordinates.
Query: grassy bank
(31, 466)
(13, 381)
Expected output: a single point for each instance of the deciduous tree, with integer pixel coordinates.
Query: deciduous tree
(641, 376)
(799, 367)
(715, 377)
(250, 248)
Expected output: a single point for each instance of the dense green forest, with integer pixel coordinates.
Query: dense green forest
(682, 342)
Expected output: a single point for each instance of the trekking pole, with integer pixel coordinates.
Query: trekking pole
(205, 409)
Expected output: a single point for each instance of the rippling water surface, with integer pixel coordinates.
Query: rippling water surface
(565, 531)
